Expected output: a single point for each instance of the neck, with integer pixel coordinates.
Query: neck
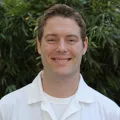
(60, 87)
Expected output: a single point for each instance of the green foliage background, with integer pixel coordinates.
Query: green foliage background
(20, 63)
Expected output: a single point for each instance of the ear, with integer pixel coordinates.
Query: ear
(85, 45)
(38, 46)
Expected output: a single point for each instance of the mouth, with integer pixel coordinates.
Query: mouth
(61, 60)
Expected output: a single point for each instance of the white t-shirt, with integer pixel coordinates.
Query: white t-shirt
(59, 105)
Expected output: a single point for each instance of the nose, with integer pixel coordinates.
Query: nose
(62, 46)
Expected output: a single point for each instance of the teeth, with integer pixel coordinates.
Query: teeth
(61, 60)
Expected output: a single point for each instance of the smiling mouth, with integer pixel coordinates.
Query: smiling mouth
(61, 61)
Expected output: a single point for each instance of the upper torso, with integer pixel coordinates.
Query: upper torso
(26, 104)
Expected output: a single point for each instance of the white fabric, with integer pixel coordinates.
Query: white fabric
(59, 105)
(55, 100)
(29, 103)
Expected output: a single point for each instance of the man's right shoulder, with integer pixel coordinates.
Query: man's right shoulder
(17, 95)
(9, 101)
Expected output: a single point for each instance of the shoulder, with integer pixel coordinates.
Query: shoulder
(13, 100)
(102, 100)
(8, 102)
(106, 106)
(12, 97)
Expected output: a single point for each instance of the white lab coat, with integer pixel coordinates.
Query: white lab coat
(28, 103)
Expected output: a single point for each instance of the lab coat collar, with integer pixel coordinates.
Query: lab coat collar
(35, 92)
(84, 93)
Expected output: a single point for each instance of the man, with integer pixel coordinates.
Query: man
(59, 91)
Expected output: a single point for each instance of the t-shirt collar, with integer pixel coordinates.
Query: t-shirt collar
(35, 91)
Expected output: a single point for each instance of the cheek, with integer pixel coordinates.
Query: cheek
(47, 50)
(79, 50)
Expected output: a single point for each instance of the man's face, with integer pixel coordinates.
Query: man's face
(61, 47)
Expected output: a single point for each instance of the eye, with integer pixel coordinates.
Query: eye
(71, 41)
(51, 40)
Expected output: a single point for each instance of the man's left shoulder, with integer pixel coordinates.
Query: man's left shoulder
(106, 104)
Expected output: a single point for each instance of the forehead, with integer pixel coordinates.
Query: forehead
(61, 25)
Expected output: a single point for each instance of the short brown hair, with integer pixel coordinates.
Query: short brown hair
(63, 11)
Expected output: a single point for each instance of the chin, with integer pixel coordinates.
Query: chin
(62, 73)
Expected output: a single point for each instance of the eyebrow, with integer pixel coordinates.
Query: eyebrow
(54, 35)
(72, 36)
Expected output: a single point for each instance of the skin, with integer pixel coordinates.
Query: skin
(61, 50)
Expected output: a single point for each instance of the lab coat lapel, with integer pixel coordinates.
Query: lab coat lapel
(72, 108)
